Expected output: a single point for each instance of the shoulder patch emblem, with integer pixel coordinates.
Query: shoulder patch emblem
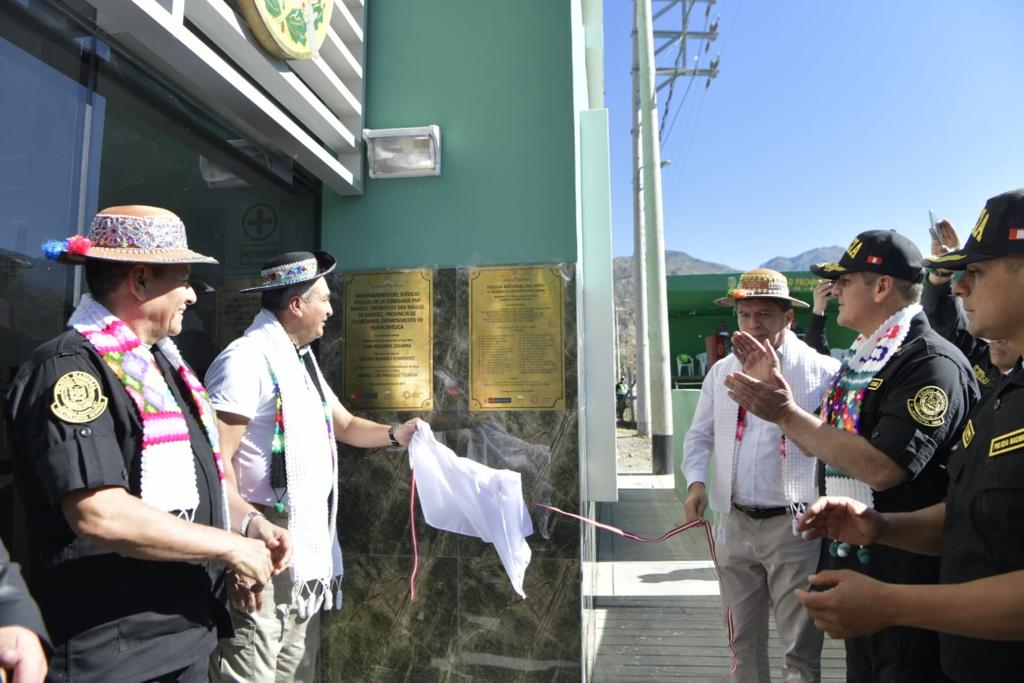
(981, 375)
(1011, 441)
(968, 434)
(875, 383)
(77, 398)
(929, 405)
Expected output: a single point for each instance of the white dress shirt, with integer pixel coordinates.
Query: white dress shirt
(758, 480)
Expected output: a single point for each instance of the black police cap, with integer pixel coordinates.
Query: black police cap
(876, 251)
(998, 232)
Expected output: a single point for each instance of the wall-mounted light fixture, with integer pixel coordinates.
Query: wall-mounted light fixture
(403, 152)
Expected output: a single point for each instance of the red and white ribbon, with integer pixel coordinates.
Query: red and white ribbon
(730, 628)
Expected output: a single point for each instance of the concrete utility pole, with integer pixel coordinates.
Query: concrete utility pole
(642, 407)
(661, 403)
(653, 362)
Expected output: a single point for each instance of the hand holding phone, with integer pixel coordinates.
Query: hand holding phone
(933, 228)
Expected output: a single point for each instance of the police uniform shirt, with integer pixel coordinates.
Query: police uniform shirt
(111, 617)
(985, 522)
(912, 412)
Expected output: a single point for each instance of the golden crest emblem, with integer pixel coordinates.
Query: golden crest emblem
(928, 406)
(77, 398)
(288, 29)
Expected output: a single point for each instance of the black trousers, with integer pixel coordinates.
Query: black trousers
(899, 654)
(895, 655)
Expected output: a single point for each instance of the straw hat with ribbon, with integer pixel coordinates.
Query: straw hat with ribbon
(761, 283)
(131, 234)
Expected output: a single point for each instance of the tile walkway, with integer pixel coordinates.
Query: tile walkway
(657, 614)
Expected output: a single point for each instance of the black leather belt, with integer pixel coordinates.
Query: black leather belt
(760, 513)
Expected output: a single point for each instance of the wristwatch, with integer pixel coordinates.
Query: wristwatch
(244, 530)
(391, 435)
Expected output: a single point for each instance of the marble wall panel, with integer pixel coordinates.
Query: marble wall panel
(379, 635)
(466, 622)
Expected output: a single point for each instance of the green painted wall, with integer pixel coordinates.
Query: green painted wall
(684, 404)
(497, 78)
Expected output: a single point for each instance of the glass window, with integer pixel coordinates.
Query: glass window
(239, 204)
(43, 63)
(98, 131)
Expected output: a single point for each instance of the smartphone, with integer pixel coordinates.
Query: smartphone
(933, 228)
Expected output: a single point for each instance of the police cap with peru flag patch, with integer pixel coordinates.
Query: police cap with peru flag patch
(877, 251)
(998, 232)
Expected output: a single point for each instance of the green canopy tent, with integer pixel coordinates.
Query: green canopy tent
(692, 314)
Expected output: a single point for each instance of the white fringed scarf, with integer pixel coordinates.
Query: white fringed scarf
(167, 467)
(807, 373)
(311, 457)
(845, 396)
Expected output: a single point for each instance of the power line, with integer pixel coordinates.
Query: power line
(679, 56)
(708, 34)
(673, 190)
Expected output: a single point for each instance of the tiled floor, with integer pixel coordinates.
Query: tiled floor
(657, 615)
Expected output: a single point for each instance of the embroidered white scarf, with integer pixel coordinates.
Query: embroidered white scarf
(168, 474)
(807, 373)
(311, 457)
(842, 403)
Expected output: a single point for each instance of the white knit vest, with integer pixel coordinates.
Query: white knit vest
(807, 373)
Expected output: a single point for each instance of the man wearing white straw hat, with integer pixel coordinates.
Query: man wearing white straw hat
(761, 480)
(117, 465)
(279, 423)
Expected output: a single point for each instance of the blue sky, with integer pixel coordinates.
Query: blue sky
(828, 118)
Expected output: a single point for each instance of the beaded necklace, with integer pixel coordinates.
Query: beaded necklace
(278, 463)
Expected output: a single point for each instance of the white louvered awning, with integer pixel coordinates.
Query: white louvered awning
(309, 110)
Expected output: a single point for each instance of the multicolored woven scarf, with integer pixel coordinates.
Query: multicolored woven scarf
(844, 398)
(168, 479)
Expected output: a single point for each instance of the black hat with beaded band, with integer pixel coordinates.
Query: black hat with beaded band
(885, 252)
(293, 268)
(761, 283)
(998, 232)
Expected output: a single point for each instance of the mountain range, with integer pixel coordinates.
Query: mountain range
(681, 263)
(805, 260)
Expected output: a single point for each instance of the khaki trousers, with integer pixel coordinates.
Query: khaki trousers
(762, 563)
(272, 645)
